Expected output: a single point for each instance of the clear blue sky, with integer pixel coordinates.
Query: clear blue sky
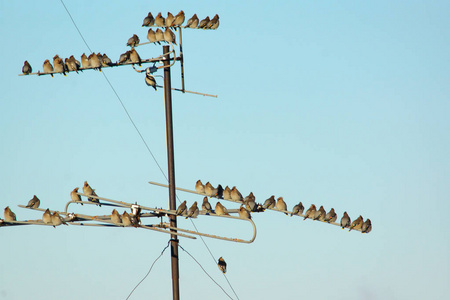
(339, 103)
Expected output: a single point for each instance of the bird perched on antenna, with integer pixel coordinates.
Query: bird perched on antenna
(199, 187)
(148, 20)
(133, 41)
(134, 57)
(169, 20)
(203, 23)
(47, 66)
(126, 219)
(169, 36)
(26, 69)
(151, 37)
(206, 205)
(221, 210)
(9, 215)
(298, 209)
(243, 213)
(116, 218)
(87, 190)
(57, 220)
(269, 203)
(281, 205)
(192, 22)
(124, 57)
(74, 195)
(222, 265)
(47, 217)
(236, 195)
(159, 35)
(226, 194)
(178, 20)
(34, 202)
(160, 21)
(210, 191)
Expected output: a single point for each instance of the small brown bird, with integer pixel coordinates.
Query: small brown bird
(116, 218)
(298, 209)
(222, 265)
(151, 37)
(331, 216)
(148, 20)
(74, 196)
(134, 57)
(199, 187)
(192, 22)
(133, 41)
(320, 214)
(47, 217)
(87, 190)
(124, 57)
(57, 220)
(71, 65)
(160, 21)
(226, 194)
(244, 214)
(94, 62)
(181, 208)
(193, 211)
(126, 219)
(221, 210)
(203, 23)
(59, 66)
(77, 63)
(34, 202)
(169, 36)
(206, 205)
(210, 191)
(169, 20)
(26, 69)
(281, 205)
(214, 23)
(150, 81)
(236, 195)
(159, 34)
(310, 212)
(9, 215)
(178, 20)
(105, 60)
(357, 224)
(249, 202)
(269, 203)
(47, 66)
(250, 197)
(367, 226)
(85, 61)
(345, 221)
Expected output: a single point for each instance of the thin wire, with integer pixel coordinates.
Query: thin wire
(75, 25)
(149, 270)
(204, 270)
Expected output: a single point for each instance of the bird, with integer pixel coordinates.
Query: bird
(357, 224)
(367, 226)
(57, 220)
(330, 216)
(169, 36)
(26, 69)
(47, 217)
(9, 215)
(105, 60)
(243, 213)
(249, 202)
(94, 61)
(75, 61)
(85, 61)
(87, 190)
(169, 20)
(250, 197)
(124, 57)
(136, 214)
(320, 214)
(214, 23)
(210, 191)
(150, 81)
(133, 41)
(74, 195)
(345, 220)
(148, 20)
(281, 205)
(34, 202)
(193, 211)
(59, 66)
(134, 57)
(226, 194)
(269, 203)
(192, 22)
(47, 66)
(219, 191)
(222, 265)
(116, 218)
(203, 23)
(151, 36)
(160, 21)
(236, 195)
(310, 212)
(181, 208)
(221, 210)
(199, 187)
(71, 64)
(159, 35)
(298, 209)
(126, 219)
(178, 20)
(206, 205)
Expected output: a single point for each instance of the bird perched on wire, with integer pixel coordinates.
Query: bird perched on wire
(136, 214)
(269, 203)
(178, 20)
(226, 194)
(210, 191)
(222, 265)
(236, 195)
(203, 23)
(281, 205)
(250, 197)
(34, 202)
(126, 219)
(77, 63)
(87, 190)
(169, 20)
(106, 61)
(9, 215)
(221, 210)
(357, 224)
(151, 37)
(330, 216)
(199, 187)
(192, 22)
(124, 57)
(71, 65)
(159, 34)
(249, 202)
(298, 209)
(94, 62)
(310, 212)
(169, 36)
(57, 220)
(133, 41)
(367, 226)
(26, 69)
(74, 195)
(320, 214)
(160, 21)
(148, 20)
(59, 66)
(243, 213)
(47, 66)
(116, 218)
(214, 23)
(220, 191)
(47, 217)
(193, 211)
(345, 220)
(181, 208)
(206, 205)
(134, 57)
(85, 61)
(150, 81)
